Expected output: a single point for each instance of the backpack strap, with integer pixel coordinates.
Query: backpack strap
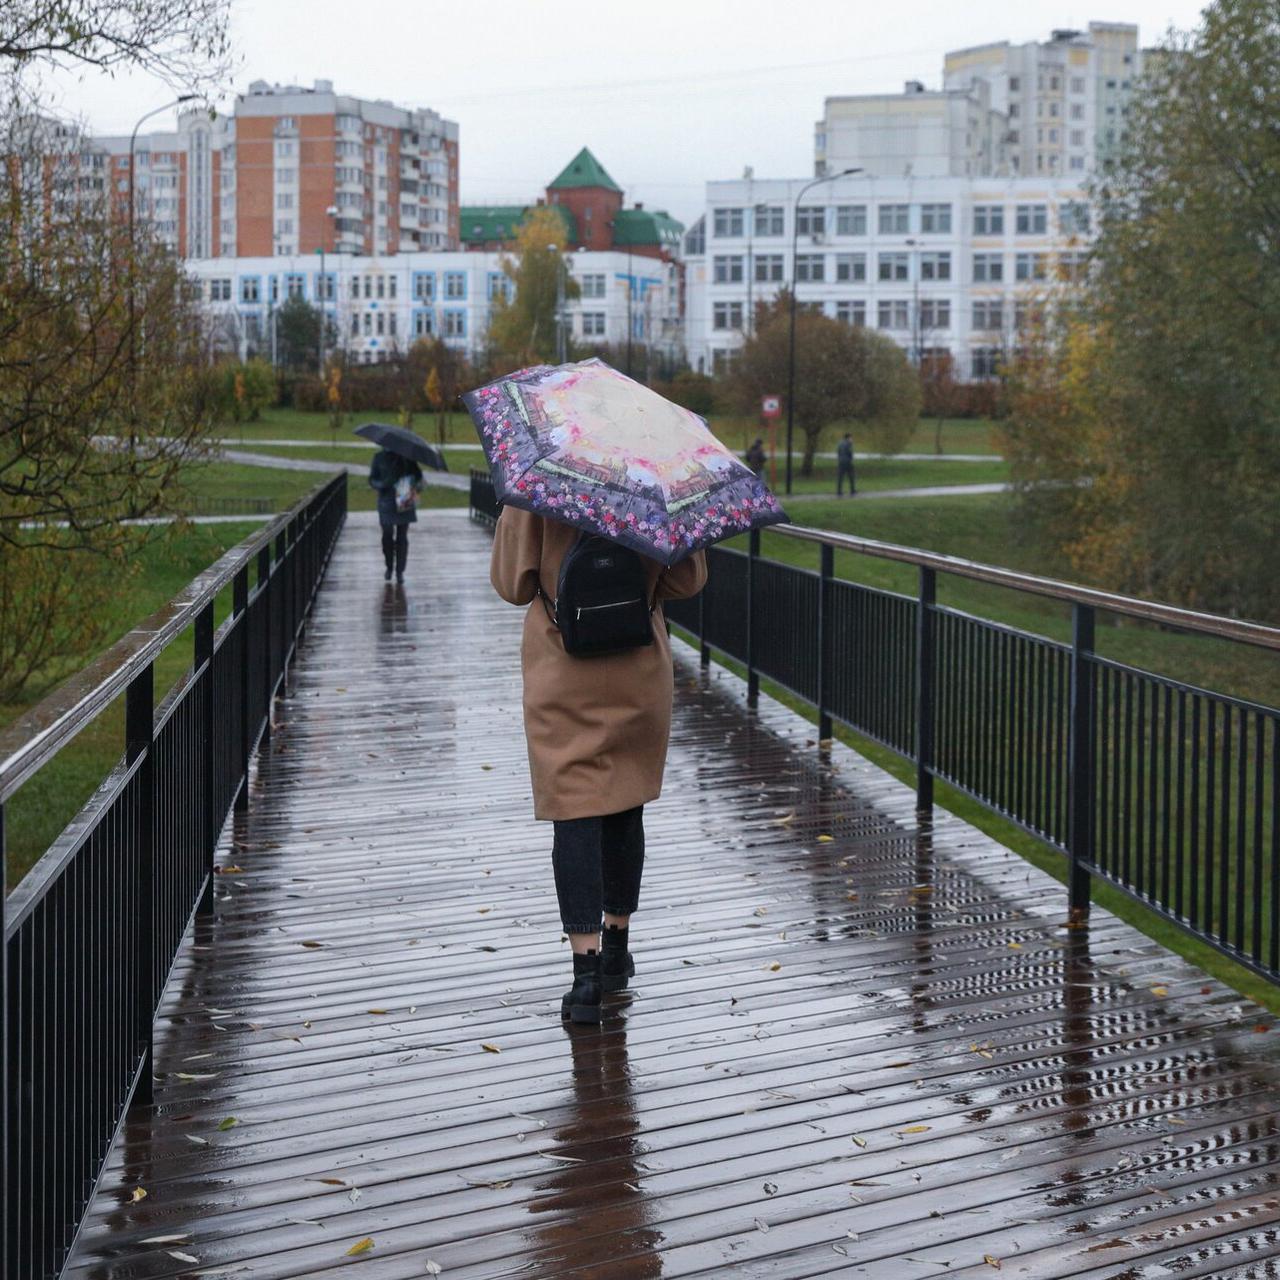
(547, 605)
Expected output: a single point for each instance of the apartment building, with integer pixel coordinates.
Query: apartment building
(291, 170)
(952, 133)
(954, 264)
(1065, 99)
(378, 306)
(1053, 108)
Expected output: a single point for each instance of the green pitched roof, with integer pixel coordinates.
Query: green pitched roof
(584, 170)
(646, 226)
(485, 223)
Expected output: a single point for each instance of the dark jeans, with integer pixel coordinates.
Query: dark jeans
(395, 543)
(598, 863)
(840, 479)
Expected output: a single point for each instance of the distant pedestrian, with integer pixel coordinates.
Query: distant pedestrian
(844, 466)
(597, 731)
(397, 481)
(755, 456)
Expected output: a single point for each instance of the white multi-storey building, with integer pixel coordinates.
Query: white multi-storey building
(377, 307)
(1047, 109)
(1065, 98)
(955, 133)
(938, 264)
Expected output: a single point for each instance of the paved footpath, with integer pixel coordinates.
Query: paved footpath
(441, 479)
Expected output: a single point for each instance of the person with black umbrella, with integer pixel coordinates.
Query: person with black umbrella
(396, 477)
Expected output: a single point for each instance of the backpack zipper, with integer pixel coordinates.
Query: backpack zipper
(595, 608)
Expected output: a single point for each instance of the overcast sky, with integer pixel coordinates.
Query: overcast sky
(666, 93)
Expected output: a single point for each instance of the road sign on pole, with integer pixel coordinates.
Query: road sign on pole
(771, 407)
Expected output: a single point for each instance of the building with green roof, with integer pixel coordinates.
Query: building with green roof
(591, 204)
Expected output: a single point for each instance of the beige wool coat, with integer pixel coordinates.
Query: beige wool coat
(596, 728)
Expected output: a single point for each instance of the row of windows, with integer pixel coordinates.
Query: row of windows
(293, 285)
(933, 265)
(989, 315)
(895, 219)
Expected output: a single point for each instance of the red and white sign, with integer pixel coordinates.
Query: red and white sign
(771, 406)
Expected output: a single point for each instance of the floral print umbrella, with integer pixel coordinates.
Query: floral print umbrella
(584, 444)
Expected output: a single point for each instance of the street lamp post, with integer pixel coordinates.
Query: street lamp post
(914, 268)
(791, 354)
(631, 307)
(555, 248)
(331, 213)
(133, 262)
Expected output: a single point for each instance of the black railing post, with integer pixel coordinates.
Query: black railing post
(826, 569)
(753, 677)
(1080, 765)
(924, 690)
(139, 718)
(704, 649)
(8, 1102)
(240, 612)
(203, 657)
(264, 607)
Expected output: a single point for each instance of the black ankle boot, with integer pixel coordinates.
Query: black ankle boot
(616, 963)
(581, 1003)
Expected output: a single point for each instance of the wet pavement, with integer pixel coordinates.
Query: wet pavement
(854, 1046)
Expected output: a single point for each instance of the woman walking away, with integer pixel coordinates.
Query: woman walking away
(398, 481)
(596, 729)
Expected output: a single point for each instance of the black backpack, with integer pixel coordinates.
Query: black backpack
(602, 599)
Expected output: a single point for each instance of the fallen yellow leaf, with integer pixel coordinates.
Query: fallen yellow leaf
(825, 839)
(1014, 946)
(990, 1261)
(774, 967)
(1160, 991)
(375, 1011)
(360, 1246)
(862, 1142)
(915, 1128)
(138, 1194)
(490, 1048)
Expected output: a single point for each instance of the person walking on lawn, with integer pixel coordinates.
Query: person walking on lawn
(596, 730)
(844, 466)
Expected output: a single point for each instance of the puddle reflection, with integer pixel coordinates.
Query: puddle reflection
(592, 1200)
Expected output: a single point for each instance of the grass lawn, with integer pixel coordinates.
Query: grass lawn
(160, 569)
(958, 435)
(225, 482)
(872, 474)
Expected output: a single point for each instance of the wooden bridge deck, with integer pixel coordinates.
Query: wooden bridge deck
(854, 1047)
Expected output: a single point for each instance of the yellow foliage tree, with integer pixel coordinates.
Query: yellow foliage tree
(524, 327)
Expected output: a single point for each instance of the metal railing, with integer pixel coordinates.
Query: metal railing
(92, 931)
(1165, 790)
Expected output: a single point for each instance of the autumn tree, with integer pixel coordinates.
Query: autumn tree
(1145, 428)
(434, 361)
(843, 373)
(523, 330)
(105, 389)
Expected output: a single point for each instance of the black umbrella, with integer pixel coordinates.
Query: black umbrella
(404, 442)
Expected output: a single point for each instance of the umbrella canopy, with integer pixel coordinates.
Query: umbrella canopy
(584, 444)
(404, 442)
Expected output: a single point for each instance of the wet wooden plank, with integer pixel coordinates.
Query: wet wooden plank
(854, 1046)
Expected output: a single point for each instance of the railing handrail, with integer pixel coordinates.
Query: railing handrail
(1255, 633)
(31, 741)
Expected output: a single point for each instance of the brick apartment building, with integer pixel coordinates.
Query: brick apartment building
(291, 171)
